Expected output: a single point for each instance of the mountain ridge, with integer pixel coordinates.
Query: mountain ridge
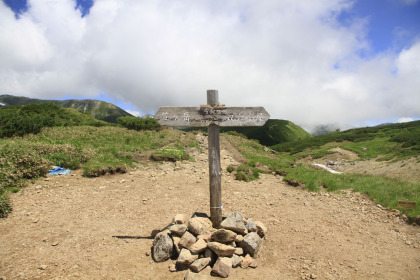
(100, 110)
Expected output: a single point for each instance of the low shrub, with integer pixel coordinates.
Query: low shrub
(139, 123)
(230, 168)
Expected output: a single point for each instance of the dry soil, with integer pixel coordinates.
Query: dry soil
(63, 227)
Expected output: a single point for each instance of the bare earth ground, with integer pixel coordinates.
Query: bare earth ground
(348, 162)
(63, 227)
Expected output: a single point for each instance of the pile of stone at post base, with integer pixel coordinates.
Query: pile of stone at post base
(194, 245)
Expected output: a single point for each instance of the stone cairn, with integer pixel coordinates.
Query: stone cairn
(197, 246)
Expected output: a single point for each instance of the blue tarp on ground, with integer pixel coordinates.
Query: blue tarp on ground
(59, 171)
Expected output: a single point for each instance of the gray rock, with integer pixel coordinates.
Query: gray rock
(234, 222)
(186, 257)
(162, 247)
(200, 264)
(222, 267)
(187, 240)
(178, 229)
(251, 226)
(221, 250)
(236, 261)
(251, 243)
(223, 236)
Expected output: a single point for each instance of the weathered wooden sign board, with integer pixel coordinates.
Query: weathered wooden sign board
(213, 115)
(204, 116)
(407, 205)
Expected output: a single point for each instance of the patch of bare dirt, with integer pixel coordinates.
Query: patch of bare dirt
(349, 162)
(63, 227)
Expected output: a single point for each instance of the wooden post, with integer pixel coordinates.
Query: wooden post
(213, 115)
(215, 174)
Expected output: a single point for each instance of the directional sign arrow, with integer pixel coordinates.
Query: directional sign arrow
(205, 115)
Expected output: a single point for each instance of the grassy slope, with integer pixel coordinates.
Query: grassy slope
(20, 120)
(272, 132)
(394, 141)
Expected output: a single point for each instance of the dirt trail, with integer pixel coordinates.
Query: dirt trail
(63, 227)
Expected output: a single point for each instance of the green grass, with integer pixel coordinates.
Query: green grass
(170, 154)
(26, 119)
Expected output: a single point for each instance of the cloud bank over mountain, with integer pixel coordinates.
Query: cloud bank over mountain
(296, 59)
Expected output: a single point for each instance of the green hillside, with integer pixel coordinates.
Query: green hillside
(99, 109)
(401, 140)
(18, 120)
(272, 132)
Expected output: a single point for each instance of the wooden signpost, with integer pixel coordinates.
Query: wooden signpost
(213, 115)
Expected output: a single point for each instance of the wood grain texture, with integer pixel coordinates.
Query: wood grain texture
(204, 116)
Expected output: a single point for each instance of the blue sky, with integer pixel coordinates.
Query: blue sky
(312, 62)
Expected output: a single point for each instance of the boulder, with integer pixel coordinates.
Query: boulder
(221, 250)
(251, 243)
(222, 267)
(223, 236)
(234, 222)
(163, 247)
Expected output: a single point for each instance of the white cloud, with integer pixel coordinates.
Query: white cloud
(403, 120)
(134, 113)
(293, 58)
